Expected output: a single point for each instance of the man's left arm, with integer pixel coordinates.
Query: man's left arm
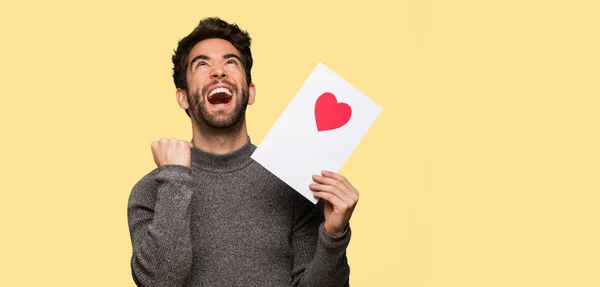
(340, 200)
(323, 233)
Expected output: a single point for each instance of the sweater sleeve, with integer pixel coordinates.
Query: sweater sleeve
(159, 224)
(319, 258)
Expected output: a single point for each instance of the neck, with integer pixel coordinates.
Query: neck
(219, 141)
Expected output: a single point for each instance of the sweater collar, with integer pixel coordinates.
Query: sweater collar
(221, 163)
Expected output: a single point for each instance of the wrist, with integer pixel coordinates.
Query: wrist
(334, 244)
(335, 233)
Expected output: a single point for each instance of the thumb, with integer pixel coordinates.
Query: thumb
(191, 145)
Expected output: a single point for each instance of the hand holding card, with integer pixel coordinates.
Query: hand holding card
(340, 200)
(318, 131)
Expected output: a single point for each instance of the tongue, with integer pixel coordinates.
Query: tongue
(219, 98)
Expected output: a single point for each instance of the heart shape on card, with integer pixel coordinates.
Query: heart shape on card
(329, 114)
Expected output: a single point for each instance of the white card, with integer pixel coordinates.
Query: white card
(318, 130)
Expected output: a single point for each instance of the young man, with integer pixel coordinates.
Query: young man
(209, 215)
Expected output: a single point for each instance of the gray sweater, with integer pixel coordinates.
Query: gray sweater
(227, 221)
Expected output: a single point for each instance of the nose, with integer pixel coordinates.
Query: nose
(218, 73)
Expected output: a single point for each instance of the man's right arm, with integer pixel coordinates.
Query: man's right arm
(159, 224)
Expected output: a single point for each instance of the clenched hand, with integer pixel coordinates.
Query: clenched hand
(172, 151)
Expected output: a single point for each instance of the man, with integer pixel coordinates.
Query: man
(209, 215)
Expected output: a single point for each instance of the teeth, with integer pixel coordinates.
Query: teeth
(220, 90)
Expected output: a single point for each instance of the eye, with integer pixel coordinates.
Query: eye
(202, 63)
(231, 61)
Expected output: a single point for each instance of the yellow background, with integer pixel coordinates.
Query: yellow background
(482, 169)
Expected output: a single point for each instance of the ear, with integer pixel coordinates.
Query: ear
(181, 96)
(252, 93)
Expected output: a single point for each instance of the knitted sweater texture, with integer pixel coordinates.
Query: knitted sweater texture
(227, 221)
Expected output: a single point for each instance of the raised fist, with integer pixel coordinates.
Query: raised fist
(172, 151)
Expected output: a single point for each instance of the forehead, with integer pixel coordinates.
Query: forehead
(213, 48)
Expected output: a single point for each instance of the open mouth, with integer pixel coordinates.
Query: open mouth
(220, 96)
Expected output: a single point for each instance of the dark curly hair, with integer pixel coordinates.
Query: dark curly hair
(211, 27)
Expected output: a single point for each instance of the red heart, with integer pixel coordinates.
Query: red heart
(330, 114)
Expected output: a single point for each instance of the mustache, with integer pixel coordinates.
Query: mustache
(216, 82)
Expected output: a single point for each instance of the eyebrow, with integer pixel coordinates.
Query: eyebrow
(227, 56)
(204, 57)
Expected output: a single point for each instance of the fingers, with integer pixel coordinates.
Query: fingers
(333, 190)
(338, 203)
(341, 198)
(172, 151)
(335, 186)
(341, 179)
(179, 143)
(184, 144)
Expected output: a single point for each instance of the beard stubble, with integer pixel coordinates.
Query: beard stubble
(199, 108)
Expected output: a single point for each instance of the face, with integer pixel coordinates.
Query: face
(217, 90)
